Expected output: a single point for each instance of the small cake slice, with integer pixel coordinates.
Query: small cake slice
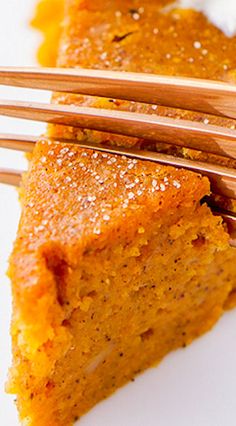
(117, 261)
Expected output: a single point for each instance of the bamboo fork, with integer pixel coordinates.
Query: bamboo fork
(194, 94)
(199, 95)
(212, 97)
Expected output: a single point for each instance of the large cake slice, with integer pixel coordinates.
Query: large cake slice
(116, 261)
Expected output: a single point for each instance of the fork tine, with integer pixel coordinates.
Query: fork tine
(23, 143)
(207, 138)
(10, 176)
(206, 96)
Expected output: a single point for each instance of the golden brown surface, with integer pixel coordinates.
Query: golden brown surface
(116, 261)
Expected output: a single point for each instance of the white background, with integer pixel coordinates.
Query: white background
(195, 386)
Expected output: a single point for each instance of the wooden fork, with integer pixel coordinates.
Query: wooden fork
(204, 96)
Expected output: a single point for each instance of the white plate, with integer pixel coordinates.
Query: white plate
(194, 386)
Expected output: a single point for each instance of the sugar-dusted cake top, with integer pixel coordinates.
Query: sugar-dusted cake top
(79, 196)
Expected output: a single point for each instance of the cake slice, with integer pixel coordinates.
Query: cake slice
(117, 261)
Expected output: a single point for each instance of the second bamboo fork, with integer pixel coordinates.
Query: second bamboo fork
(205, 96)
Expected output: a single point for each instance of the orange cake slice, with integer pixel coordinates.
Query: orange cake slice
(117, 261)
